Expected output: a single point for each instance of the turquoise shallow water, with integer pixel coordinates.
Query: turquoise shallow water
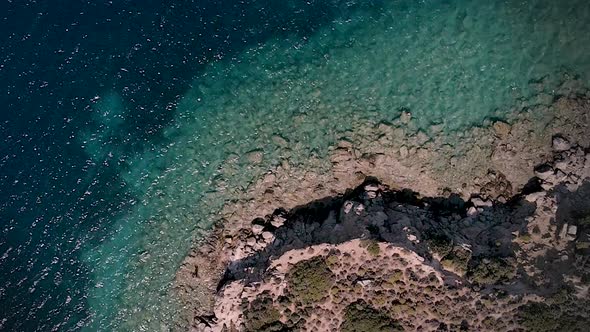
(454, 63)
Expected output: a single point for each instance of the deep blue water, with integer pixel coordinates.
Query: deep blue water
(56, 58)
(117, 114)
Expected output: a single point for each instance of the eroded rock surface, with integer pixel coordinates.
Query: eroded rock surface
(496, 263)
(496, 212)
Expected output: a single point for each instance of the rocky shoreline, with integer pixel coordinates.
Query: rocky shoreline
(495, 198)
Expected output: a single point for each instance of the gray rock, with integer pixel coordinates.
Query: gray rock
(359, 209)
(545, 173)
(277, 221)
(371, 194)
(405, 117)
(572, 230)
(348, 206)
(403, 152)
(268, 236)
(365, 283)
(371, 187)
(560, 144)
(478, 202)
(257, 229)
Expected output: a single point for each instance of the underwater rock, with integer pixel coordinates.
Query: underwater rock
(255, 156)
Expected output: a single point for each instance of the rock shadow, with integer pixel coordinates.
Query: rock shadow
(400, 217)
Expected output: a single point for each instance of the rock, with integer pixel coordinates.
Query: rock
(279, 140)
(371, 187)
(348, 206)
(544, 172)
(560, 143)
(436, 129)
(365, 282)
(421, 138)
(478, 202)
(359, 209)
(277, 221)
(534, 196)
(257, 229)
(501, 129)
(572, 231)
(403, 152)
(472, 211)
(255, 156)
(405, 117)
(268, 236)
(384, 128)
(340, 155)
(344, 144)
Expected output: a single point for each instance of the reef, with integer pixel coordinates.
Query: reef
(408, 231)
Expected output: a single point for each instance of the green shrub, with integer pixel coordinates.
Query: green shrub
(457, 260)
(561, 312)
(360, 317)
(310, 280)
(493, 270)
(261, 315)
(440, 245)
(372, 247)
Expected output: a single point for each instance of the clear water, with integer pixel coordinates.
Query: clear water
(121, 122)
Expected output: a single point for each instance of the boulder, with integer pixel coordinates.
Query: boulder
(255, 156)
(257, 229)
(403, 152)
(348, 206)
(501, 129)
(560, 143)
(478, 202)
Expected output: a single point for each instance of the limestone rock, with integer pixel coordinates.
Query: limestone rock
(255, 156)
(348, 205)
(280, 140)
(257, 229)
(405, 117)
(502, 129)
(478, 202)
(560, 143)
(403, 152)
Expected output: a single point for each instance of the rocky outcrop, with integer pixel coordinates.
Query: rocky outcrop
(504, 201)
(425, 263)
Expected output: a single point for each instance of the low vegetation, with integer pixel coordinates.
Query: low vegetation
(457, 260)
(310, 280)
(440, 245)
(562, 312)
(360, 317)
(492, 270)
(261, 315)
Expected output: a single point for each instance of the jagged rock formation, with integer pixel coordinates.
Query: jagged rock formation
(382, 259)
(508, 201)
